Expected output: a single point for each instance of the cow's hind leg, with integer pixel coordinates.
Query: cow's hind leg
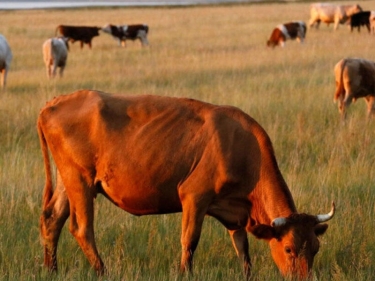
(51, 222)
(370, 106)
(3, 77)
(61, 73)
(81, 200)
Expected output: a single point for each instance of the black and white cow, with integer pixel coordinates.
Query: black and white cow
(128, 32)
(287, 31)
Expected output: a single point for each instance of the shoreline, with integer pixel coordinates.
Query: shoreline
(30, 5)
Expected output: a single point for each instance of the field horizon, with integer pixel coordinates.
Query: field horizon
(216, 54)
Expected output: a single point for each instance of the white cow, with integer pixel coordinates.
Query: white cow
(55, 54)
(5, 59)
(331, 13)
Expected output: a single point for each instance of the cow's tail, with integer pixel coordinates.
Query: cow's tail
(340, 83)
(48, 189)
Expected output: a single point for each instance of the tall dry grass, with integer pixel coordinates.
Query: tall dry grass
(215, 54)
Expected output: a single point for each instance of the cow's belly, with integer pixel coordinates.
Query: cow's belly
(327, 18)
(139, 200)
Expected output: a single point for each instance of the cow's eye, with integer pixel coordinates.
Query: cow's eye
(288, 250)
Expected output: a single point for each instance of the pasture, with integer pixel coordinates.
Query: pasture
(218, 55)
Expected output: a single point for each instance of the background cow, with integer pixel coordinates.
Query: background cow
(125, 32)
(355, 78)
(161, 155)
(5, 59)
(287, 31)
(331, 13)
(372, 22)
(84, 34)
(55, 54)
(359, 19)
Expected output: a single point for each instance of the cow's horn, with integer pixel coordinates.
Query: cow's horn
(278, 222)
(326, 217)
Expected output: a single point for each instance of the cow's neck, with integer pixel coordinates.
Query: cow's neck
(271, 198)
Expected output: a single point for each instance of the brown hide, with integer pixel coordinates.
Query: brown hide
(84, 34)
(158, 155)
(276, 38)
(354, 79)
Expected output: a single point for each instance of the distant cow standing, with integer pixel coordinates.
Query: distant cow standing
(331, 13)
(125, 32)
(5, 59)
(84, 34)
(372, 21)
(355, 78)
(287, 31)
(55, 54)
(359, 19)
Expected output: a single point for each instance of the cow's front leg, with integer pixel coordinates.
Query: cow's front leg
(54, 68)
(241, 245)
(370, 106)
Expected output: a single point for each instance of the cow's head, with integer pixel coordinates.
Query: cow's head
(66, 41)
(107, 28)
(294, 241)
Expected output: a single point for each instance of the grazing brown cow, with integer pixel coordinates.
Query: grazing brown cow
(161, 155)
(287, 31)
(84, 34)
(355, 78)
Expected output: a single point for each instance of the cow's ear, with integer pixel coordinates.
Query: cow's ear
(263, 231)
(320, 229)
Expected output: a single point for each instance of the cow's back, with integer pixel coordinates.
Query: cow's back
(142, 148)
(360, 73)
(323, 11)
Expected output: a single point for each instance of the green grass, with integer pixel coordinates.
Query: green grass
(218, 55)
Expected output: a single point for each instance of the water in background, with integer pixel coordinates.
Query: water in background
(42, 4)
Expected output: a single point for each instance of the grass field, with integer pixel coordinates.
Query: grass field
(218, 55)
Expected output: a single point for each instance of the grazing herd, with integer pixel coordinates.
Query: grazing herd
(354, 77)
(55, 50)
